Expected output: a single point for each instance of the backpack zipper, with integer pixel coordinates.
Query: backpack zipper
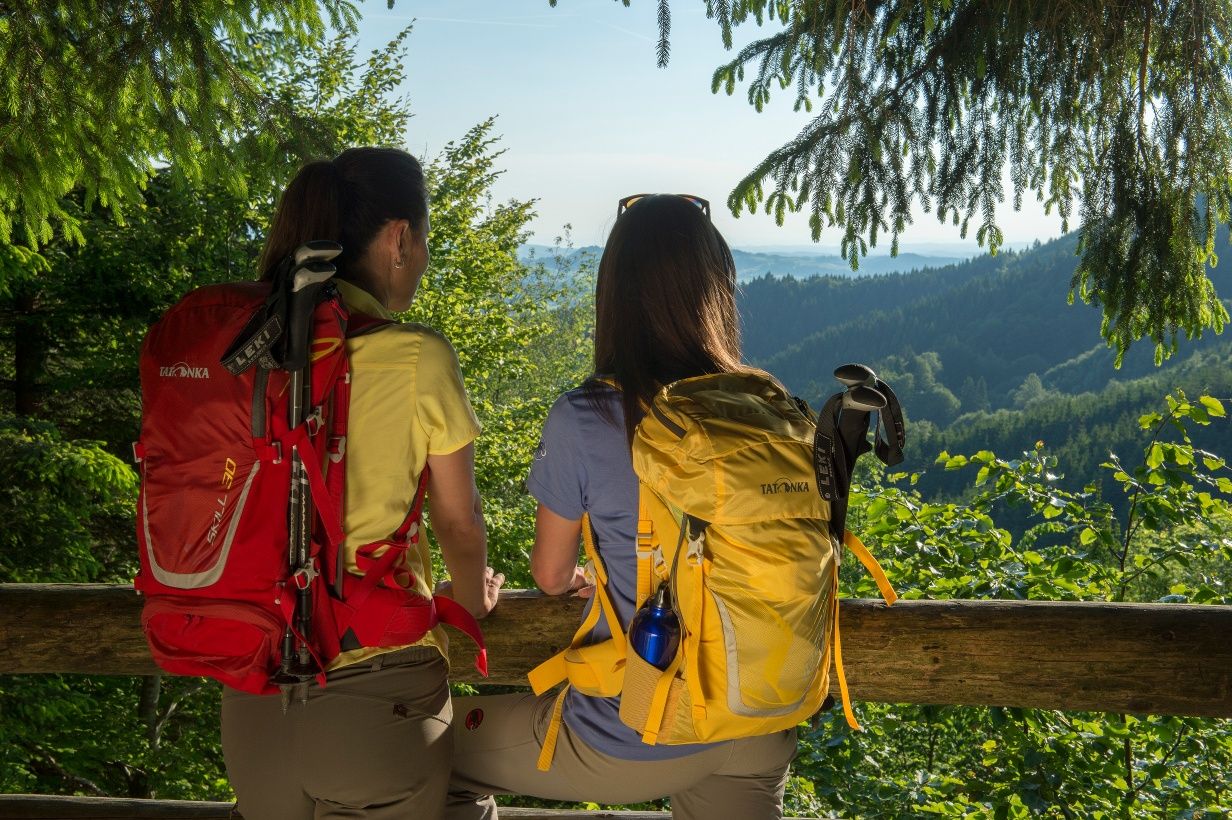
(666, 422)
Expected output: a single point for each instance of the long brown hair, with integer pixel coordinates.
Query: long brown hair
(665, 302)
(347, 199)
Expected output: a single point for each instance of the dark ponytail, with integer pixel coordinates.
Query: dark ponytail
(348, 200)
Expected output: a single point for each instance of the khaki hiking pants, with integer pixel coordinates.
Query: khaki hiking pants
(496, 749)
(373, 744)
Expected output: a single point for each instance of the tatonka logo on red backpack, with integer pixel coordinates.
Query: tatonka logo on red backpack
(183, 370)
(242, 578)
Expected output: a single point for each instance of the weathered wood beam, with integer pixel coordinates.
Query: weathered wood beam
(1139, 658)
(44, 807)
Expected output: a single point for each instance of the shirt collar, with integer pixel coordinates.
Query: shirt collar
(358, 299)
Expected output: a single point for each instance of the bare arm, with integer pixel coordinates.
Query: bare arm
(457, 522)
(554, 558)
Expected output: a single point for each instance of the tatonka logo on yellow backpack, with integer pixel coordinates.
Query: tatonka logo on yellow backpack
(731, 523)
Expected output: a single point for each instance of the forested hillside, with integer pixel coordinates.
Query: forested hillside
(992, 322)
(988, 352)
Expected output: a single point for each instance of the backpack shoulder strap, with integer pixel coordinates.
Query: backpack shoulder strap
(361, 324)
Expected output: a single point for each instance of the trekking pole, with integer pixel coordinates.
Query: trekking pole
(309, 269)
(842, 437)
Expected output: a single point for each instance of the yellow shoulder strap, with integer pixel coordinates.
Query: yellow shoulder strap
(577, 662)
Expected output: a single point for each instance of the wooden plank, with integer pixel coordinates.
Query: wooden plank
(44, 807)
(1140, 658)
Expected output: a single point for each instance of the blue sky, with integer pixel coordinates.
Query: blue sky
(586, 116)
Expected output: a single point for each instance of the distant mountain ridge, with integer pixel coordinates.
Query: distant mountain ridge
(753, 264)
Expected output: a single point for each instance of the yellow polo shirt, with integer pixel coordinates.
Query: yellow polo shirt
(407, 402)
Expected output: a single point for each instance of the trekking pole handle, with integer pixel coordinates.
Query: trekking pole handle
(304, 279)
(864, 399)
(855, 375)
(313, 272)
(321, 249)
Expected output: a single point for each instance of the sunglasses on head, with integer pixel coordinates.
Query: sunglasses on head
(629, 201)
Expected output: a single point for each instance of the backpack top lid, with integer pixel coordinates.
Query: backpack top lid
(730, 448)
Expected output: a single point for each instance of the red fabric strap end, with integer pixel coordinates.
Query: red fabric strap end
(451, 612)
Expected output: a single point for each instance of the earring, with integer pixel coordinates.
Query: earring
(398, 262)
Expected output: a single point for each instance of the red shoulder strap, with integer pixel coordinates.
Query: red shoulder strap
(361, 324)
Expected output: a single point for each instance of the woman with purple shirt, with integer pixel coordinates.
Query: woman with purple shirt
(665, 310)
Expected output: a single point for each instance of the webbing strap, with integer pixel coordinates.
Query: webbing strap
(322, 501)
(645, 552)
(658, 702)
(838, 664)
(377, 572)
(547, 674)
(852, 541)
(556, 668)
(870, 563)
(395, 547)
(453, 613)
(601, 593)
(549, 740)
(694, 643)
(286, 603)
(415, 513)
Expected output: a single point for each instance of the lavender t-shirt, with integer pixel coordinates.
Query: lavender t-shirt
(583, 464)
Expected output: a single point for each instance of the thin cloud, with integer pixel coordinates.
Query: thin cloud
(623, 30)
(506, 22)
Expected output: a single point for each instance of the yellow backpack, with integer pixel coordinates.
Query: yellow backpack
(730, 517)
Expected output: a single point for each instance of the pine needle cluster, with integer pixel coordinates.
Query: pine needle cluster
(1121, 108)
(95, 96)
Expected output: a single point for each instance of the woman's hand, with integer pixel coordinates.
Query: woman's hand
(492, 583)
(582, 585)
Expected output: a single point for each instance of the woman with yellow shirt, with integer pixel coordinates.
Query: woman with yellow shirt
(375, 742)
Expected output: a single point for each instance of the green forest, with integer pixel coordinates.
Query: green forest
(1036, 468)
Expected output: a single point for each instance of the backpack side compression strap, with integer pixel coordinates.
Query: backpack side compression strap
(852, 541)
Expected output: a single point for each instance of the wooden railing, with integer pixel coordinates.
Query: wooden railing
(1138, 658)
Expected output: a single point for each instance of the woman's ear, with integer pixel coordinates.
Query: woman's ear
(398, 237)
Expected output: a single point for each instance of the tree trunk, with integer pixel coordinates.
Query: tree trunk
(29, 352)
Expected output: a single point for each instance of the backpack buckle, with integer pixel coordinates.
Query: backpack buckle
(337, 448)
(304, 576)
(695, 552)
(658, 562)
(314, 422)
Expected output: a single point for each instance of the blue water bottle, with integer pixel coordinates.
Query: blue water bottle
(655, 630)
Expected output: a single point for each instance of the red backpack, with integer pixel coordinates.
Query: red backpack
(213, 525)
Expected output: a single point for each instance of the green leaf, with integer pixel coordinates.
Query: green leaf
(1213, 406)
(1149, 420)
